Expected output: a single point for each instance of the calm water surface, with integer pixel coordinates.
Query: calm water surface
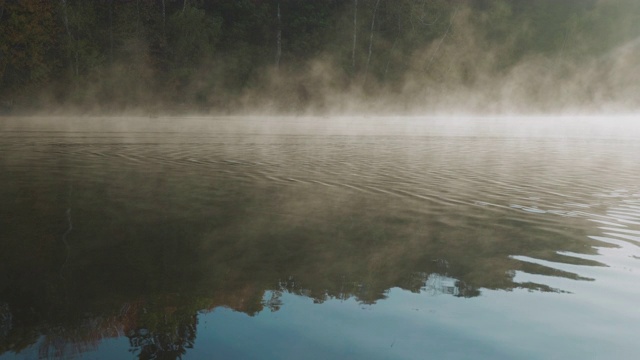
(319, 238)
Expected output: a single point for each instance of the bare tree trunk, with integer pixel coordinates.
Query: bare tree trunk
(355, 34)
(433, 56)
(395, 41)
(72, 40)
(279, 38)
(386, 68)
(373, 22)
(111, 32)
(164, 19)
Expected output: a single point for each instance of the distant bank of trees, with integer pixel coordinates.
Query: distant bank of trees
(285, 55)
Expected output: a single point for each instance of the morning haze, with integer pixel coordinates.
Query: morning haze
(348, 57)
(327, 179)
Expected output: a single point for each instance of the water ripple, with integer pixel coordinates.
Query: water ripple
(463, 190)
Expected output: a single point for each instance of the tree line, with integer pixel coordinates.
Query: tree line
(288, 55)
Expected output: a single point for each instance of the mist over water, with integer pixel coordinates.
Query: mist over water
(532, 126)
(343, 58)
(362, 179)
(403, 236)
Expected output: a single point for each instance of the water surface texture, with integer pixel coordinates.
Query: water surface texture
(319, 238)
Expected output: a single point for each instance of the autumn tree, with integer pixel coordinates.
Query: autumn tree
(28, 36)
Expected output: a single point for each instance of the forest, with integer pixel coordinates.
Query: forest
(150, 57)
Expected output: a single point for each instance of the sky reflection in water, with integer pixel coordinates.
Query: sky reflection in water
(239, 245)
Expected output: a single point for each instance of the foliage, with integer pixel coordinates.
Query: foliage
(27, 35)
(117, 55)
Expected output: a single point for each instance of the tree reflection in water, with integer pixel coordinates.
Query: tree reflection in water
(166, 272)
(169, 341)
(170, 241)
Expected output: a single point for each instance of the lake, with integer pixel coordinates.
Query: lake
(319, 238)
